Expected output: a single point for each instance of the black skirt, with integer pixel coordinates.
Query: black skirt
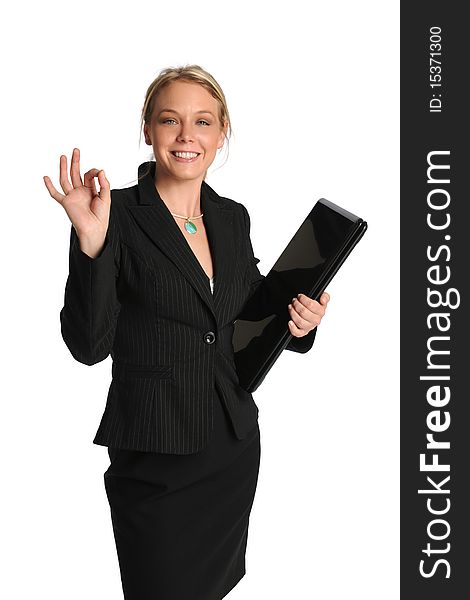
(181, 521)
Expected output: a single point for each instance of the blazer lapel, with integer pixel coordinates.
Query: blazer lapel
(154, 218)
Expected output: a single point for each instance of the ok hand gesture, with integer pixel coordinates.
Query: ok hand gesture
(87, 209)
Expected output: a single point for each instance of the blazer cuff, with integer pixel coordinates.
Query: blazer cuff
(85, 260)
(302, 344)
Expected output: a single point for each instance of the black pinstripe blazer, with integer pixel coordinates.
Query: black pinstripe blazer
(146, 300)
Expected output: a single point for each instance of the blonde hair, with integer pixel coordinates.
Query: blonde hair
(190, 73)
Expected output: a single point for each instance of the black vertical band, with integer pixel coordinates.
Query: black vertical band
(435, 270)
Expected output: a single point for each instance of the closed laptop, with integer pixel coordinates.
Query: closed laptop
(308, 264)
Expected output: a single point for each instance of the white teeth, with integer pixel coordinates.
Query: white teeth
(185, 154)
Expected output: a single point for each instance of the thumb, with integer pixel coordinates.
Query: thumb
(101, 203)
(104, 185)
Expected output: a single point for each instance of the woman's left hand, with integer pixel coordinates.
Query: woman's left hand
(306, 314)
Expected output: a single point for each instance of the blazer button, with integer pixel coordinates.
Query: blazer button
(209, 337)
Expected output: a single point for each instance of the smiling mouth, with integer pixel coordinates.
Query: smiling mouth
(186, 155)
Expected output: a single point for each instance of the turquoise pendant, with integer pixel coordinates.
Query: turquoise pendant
(190, 227)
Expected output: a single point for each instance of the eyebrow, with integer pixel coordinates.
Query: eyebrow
(206, 112)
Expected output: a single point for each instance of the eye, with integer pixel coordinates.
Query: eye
(166, 120)
(203, 121)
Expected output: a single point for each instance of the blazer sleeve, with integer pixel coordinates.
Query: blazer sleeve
(91, 307)
(254, 277)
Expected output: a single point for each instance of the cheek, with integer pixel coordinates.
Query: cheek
(160, 136)
(210, 142)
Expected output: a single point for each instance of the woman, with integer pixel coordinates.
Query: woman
(158, 286)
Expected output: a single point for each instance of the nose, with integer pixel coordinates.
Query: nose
(186, 133)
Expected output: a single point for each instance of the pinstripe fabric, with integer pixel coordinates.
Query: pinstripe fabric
(147, 301)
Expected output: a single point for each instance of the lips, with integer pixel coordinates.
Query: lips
(187, 157)
(185, 152)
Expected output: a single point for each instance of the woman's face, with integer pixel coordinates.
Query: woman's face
(184, 119)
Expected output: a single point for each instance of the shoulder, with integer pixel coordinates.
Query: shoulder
(224, 201)
(121, 199)
(122, 196)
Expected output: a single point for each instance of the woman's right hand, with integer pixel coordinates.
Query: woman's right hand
(87, 209)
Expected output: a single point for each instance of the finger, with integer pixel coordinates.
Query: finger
(300, 321)
(294, 330)
(307, 302)
(89, 178)
(309, 319)
(63, 178)
(75, 169)
(52, 191)
(306, 306)
(314, 305)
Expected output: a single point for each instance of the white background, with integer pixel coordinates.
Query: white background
(313, 90)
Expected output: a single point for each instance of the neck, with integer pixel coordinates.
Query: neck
(181, 197)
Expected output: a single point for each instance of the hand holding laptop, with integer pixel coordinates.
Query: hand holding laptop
(306, 314)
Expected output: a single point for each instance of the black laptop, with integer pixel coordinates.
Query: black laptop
(308, 264)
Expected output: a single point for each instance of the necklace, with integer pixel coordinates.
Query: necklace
(189, 225)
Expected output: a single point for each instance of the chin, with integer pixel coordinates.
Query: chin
(189, 176)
